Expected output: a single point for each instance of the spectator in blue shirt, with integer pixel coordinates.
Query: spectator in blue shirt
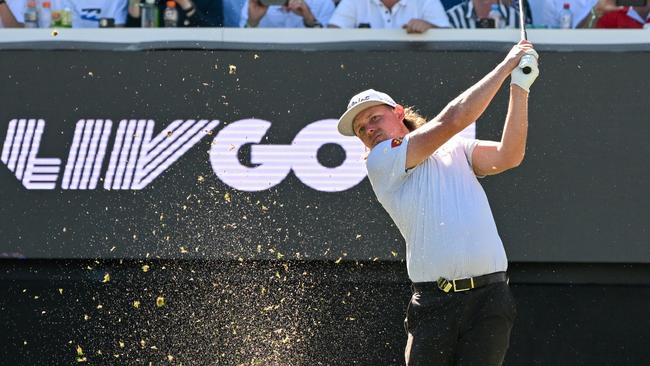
(294, 14)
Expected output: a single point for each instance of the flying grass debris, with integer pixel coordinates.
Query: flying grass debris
(160, 301)
(80, 354)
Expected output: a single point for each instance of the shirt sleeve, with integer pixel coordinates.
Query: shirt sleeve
(580, 10)
(322, 10)
(468, 146)
(345, 15)
(117, 10)
(435, 14)
(18, 8)
(387, 165)
(244, 15)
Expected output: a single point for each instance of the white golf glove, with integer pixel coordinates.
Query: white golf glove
(518, 77)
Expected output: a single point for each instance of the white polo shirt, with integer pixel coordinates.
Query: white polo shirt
(278, 17)
(353, 13)
(441, 210)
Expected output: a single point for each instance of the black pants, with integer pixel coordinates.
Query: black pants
(463, 328)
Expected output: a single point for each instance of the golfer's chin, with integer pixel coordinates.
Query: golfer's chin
(378, 141)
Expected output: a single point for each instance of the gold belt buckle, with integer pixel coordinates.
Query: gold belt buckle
(444, 284)
(471, 285)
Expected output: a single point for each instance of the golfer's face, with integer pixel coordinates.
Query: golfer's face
(379, 123)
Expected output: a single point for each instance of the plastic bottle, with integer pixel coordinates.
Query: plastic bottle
(45, 17)
(149, 14)
(31, 15)
(66, 18)
(171, 15)
(56, 18)
(566, 17)
(495, 14)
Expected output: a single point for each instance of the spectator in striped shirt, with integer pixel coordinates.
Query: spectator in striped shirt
(468, 13)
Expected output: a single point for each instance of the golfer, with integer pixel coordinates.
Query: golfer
(425, 176)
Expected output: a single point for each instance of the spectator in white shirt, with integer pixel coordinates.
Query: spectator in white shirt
(548, 12)
(294, 14)
(416, 16)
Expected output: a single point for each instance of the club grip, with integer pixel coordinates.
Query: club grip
(526, 63)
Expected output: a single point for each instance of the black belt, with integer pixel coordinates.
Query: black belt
(462, 284)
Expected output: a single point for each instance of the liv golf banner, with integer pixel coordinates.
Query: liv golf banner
(137, 156)
(235, 155)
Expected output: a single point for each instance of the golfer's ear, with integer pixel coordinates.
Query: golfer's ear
(399, 109)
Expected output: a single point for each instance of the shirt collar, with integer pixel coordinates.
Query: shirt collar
(399, 3)
(634, 15)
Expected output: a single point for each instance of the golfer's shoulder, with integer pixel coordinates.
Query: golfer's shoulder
(387, 160)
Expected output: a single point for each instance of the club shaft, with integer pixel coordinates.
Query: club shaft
(522, 23)
(522, 28)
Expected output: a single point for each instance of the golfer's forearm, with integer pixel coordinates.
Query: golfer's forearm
(515, 130)
(470, 105)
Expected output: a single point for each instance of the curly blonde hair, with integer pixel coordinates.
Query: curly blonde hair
(412, 119)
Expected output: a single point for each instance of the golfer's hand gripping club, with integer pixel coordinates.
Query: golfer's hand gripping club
(526, 72)
(526, 62)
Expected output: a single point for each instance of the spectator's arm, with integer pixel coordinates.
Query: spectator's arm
(199, 19)
(417, 26)
(195, 17)
(133, 14)
(252, 13)
(7, 17)
(345, 15)
(434, 14)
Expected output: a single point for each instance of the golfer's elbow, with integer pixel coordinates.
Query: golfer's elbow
(513, 160)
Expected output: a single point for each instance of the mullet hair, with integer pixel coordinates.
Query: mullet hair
(412, 119)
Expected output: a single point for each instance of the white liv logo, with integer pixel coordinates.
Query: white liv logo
(138, 157)
(276, 161)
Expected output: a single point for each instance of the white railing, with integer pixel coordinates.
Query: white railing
(10, 38)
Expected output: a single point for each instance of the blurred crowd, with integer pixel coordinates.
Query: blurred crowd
(414, 16)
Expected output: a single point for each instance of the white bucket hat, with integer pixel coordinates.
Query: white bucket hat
(365, 99)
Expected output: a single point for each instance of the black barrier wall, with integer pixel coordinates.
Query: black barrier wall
(580, 195)
(311, 313)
